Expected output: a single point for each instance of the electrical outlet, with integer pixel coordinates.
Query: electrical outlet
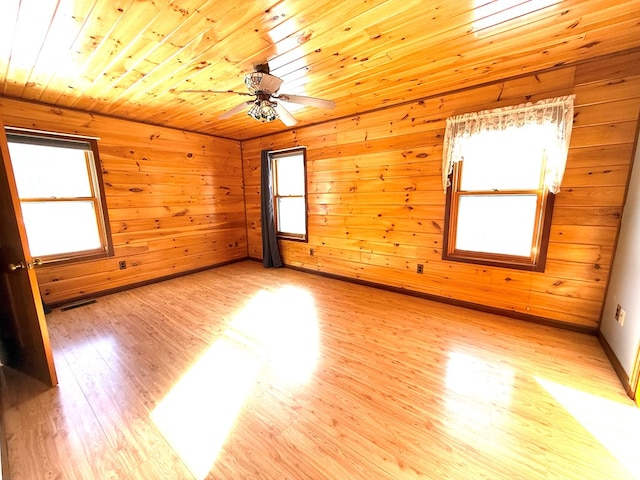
(420, 268)
(123, 264)
(620, 314)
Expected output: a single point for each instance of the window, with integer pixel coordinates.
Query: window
(289, 177)
(61, 196)
(502, 169)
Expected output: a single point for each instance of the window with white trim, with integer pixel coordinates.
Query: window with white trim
(289, 180)
(61, 197)
(501, 169)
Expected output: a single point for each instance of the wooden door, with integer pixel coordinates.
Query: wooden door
(23, 330)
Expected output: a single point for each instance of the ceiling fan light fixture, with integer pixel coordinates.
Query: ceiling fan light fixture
(263, 111)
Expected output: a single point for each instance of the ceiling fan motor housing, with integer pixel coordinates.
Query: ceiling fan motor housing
(261, 82)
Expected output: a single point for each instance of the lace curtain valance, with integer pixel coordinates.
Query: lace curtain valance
(554, 114)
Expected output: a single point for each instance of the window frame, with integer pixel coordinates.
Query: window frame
(544, 211)
(96, 185)
(273, 159)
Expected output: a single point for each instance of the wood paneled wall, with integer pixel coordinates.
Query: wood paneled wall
(175, 200)
(376, 206)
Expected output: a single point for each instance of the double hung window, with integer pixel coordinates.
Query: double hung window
(500, 171)
(61, 197)
(289, 181)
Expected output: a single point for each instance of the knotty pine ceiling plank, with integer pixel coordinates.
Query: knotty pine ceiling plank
(166, 74)
(131, 59)
(222, 49)
(29, 36)
(70, 80)
(164, 39)
(66, 28)
(7, 34)
(358, 94)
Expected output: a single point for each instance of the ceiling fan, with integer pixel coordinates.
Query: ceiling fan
(266, 105)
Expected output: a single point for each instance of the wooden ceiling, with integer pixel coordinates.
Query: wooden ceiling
(133, 58)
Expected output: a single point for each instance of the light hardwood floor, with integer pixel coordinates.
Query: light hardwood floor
(241, 372)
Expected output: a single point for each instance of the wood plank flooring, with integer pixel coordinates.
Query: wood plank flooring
(245, 373)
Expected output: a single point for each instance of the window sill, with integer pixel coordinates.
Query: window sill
(75, 257)
(293, 238)
(503, 261)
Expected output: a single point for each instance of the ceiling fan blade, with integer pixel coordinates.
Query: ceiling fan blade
(309, 101)
(236, 109)
(218, 91)
(285, 116)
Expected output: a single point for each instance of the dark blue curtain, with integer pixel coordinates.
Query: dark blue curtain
(270, 251)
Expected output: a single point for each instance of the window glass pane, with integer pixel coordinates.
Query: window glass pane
(502, 224)
(49, 172)
(291, 215)
(60, 227)
(290, 175)
(510, 159)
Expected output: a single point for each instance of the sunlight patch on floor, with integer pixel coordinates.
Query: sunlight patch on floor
(277, 331)
(198, 413)
(615, 425)
(283, 324)
(478, 397)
